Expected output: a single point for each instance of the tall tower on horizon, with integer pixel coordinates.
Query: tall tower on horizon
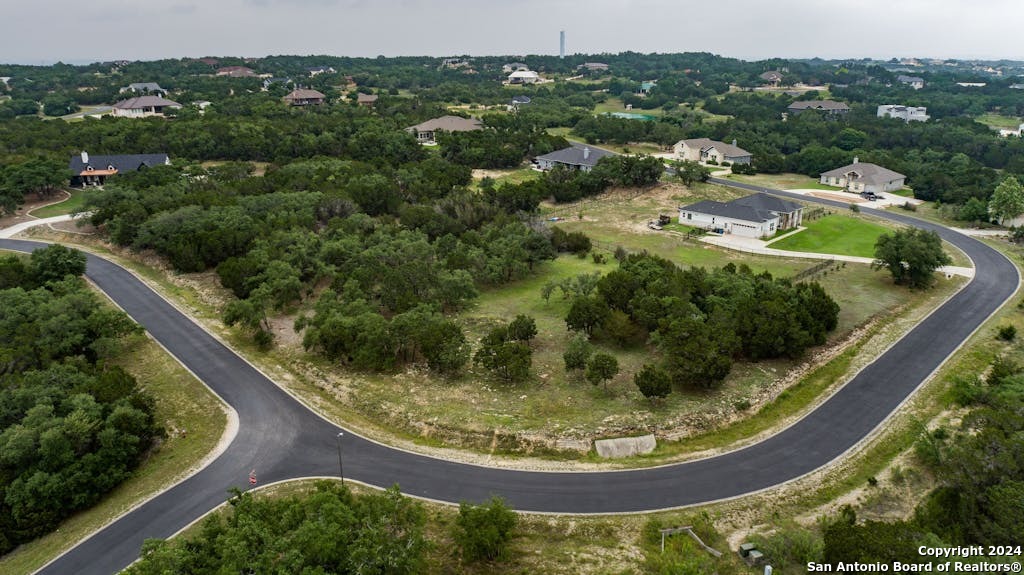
(561, 44)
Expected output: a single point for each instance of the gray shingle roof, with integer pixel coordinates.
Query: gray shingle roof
(869, 173)
(123, 162)
(144, 87)
(305, 94)
(707, 143)
(145, 102)
(573, 155)
(765, 202)
(818, 105)
(448, 124)
(729, 210)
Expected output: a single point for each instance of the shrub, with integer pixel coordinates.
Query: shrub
(854, 208)
(1007, 333)
(909, 206)
(483, 532)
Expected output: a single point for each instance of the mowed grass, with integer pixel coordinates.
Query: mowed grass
(612, 105)
(631, 148)
(74, 202)
(835, 234)
(782, 181)
(997, 121)
(194, 420)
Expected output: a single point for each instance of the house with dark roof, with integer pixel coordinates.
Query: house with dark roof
(143, 107)
(754, 216)
(144, 88)
(705, 150)
(304, 97)
(94, 170)
(575, 157)
(830, 107)
(426, 132)
(864, 177)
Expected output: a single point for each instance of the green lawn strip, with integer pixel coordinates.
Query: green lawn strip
(783, 181)
(183, 404)
(74, 202)
(835, 234)
(997, 121)
(516, 176)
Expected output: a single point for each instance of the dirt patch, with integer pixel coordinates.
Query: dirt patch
(848, 198)
(74, 227)
(32, 202)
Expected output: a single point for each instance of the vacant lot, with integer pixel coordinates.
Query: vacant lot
(997, 121)
(835, 234)
(782, 181)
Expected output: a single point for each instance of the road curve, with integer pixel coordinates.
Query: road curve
(281, 439)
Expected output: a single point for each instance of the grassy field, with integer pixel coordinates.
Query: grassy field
(634, 148)
(74, 201)
(997, 121)
(612, 105)
(516, 176)
(783, 181)
(835, 234)
(194, 421)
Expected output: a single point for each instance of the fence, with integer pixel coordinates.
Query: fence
(813, 270)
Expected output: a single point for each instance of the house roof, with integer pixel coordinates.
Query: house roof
(765, 202)
(366, 98)
(121, 163)
(305, 94)
(728, 150)
(145, 102)
(593, 66)
(574, 155)
(448, 124)
(818, 105)
(771, 75)
(523, 74)
(236, 71)
(144, 87)
(730, 210)
(869, 173)
(909, 79)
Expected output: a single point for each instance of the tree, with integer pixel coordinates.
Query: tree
(483, 532)
(56, 262)
(1007, 200)
(511, 360)
(586, 313)
(40, 176)
(911, 256)
(601, 368)
(577, 352)
(522, 328)
(653, 382)
(691, 172)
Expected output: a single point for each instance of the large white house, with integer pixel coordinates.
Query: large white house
(754, 216)
(863, 177)
(523, 77)
(905, 113)
(704, 150)
(144, 106)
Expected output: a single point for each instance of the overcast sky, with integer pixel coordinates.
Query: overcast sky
(45, 31)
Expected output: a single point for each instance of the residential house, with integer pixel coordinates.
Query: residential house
(575, 157)
(523, 77)
(317, 70)
(773, 77)
(426, 132)
(914, 82)
(268, 82)
(863, 177)
(593, 67)
(646, 87)
(151, 88)
(211, 62)
(705, 150)
(514, 67)
(453, 63)
(1012, 86)
(304, 97)
(905, 113)
(143, 107)
(366, 99)
(755, 216)
(830, 107)
(971, 84)
(1018, 131)
(236, 72)
(94, 171)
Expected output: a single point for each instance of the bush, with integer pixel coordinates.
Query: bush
(577, 353)
(601, 368)
(1007, 333)
(653, 382)
(909, 206)
(854, 208)
(483, 532)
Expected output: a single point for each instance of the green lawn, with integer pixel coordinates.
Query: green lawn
(783, 181)
(997, 121)
(517, 176)
(634, 148)
(835, 234)
(74, 202)
(612, 105)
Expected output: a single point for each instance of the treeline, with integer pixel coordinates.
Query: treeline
(72, 427)
(701, 321)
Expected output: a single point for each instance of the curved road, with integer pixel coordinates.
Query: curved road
(282, 439)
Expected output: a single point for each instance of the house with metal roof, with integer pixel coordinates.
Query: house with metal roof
(705, 150)
(304, 97)
(94, 170)
(754, 216)
(143, 107)
(426, 132)
(864, 177)
(830, 107)
(523, 77)
(575, 157)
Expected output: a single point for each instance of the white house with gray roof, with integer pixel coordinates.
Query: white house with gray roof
(575, 157)
(754, 216)
(705, 150)
(905, 113)
(861, 177)
(144, 88)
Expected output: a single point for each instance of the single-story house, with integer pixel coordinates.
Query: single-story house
(144, 88)
(304, 97)
(755, 216)
(426, 131)
(143, 107)
(704, 150)
(863, 177)
(94, 171)
(646, 87)
(317, 70)
(514, 67)
(575, 157)
(268, 82)
(905, 113)
(236, 72)
(914, 82)
(830, 107)
(773, 77)
(366, 99)
(523, 77)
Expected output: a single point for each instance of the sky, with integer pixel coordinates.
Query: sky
(72, 31)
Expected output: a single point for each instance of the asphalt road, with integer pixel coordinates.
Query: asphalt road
(281, 439)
